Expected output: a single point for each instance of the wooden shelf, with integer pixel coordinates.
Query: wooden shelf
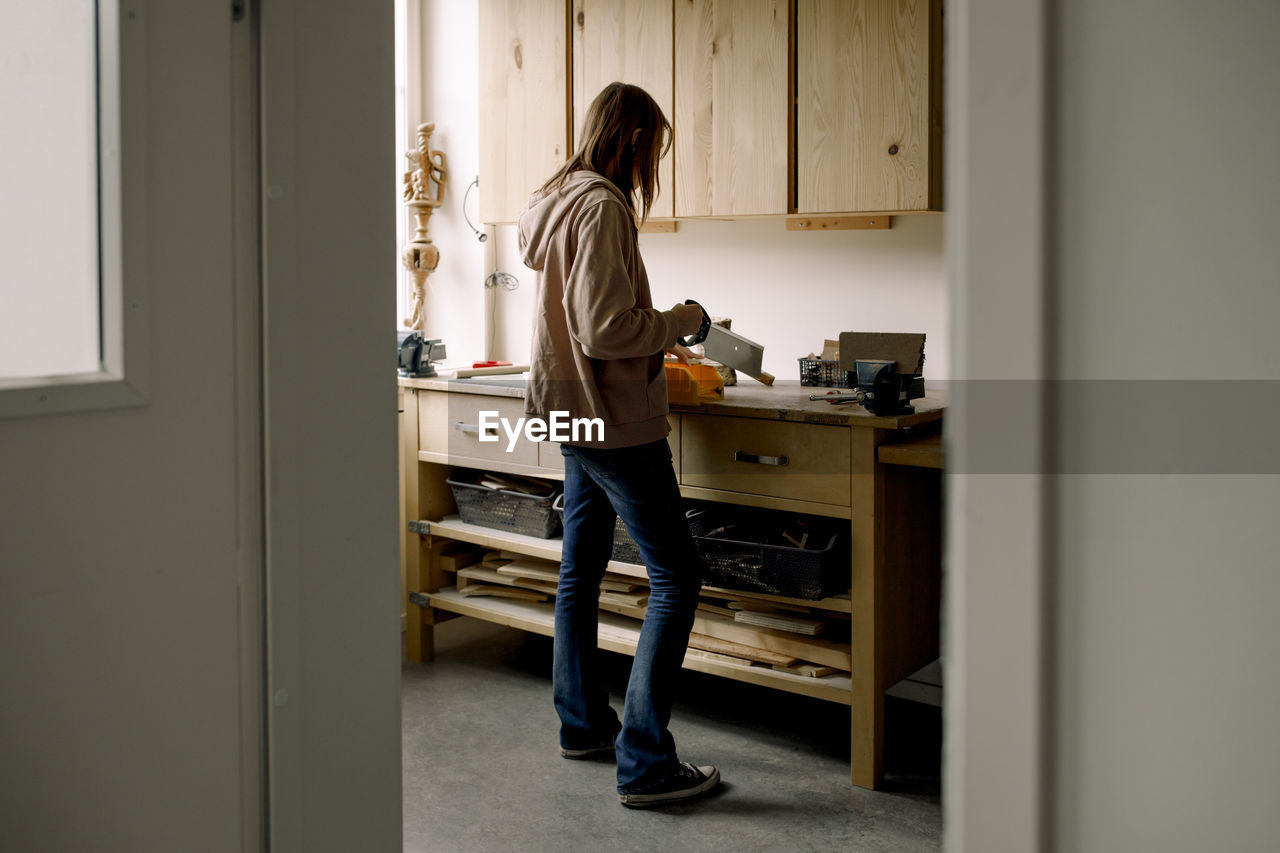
(620, 634)
(453, 527)
(924, 452)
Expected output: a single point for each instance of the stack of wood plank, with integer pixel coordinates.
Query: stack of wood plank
(741, 629)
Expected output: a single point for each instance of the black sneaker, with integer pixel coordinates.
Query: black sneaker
(597, 750)
(686, 782)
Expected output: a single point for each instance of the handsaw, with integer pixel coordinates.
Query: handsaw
(731, 349)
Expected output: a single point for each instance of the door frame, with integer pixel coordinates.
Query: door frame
(332, 587)
(997, 643)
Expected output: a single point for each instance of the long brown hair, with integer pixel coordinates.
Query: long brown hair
(612, 119)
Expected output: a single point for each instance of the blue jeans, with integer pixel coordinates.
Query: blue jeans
(638, 484)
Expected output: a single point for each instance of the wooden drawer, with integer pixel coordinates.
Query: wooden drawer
(782, 459)
(549, 451)
(449, 424)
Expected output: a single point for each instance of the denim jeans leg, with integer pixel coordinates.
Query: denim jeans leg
(641, 485)
(580, 699)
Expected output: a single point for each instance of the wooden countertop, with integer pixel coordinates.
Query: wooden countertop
(785, 400)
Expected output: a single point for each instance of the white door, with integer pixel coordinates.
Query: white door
(199, 588)
(130, 553)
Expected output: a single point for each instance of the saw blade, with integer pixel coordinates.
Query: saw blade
(734, 350)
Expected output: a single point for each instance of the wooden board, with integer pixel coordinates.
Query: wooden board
(780, 621)
(630, 599)
(733, 159)
(486, 575)
(623, 610)
(924, 452)
(867, 129)
(739, 650)
(763, 606)
(716, 656)
(473, 590)
(628, 41)
(545, 570)
(809, 649)
(840, 223)
(811, 670)
(459, 560)
(524, 98)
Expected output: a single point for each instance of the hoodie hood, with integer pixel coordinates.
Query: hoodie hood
(544, 215)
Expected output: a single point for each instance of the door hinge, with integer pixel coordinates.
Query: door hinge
(237, 10)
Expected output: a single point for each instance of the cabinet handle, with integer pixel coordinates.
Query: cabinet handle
(472, 429)
(739, 456)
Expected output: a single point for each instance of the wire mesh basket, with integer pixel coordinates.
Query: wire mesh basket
(625, 549)
(505, 509)
(823, 373)
(741, 552)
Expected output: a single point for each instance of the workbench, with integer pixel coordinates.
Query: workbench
(881, 474)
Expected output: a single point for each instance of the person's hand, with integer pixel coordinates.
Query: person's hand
(683, 354)
(688, 319)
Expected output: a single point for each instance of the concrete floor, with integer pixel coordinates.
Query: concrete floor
(482, 771)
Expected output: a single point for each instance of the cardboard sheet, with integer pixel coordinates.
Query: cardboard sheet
(906, 348)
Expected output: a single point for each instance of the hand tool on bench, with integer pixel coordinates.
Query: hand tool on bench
(728, 348)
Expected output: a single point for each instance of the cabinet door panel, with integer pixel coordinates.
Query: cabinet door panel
(732, 81)
(867, 126)
(627, 41)
(524, 96)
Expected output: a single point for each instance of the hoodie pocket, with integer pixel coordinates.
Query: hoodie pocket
(657, 390)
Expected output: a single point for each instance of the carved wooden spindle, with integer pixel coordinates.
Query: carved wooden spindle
(424, 186)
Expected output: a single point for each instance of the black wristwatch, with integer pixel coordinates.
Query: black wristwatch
(700, 335)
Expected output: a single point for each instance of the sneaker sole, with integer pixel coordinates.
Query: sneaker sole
(640, 801)
(582, 754)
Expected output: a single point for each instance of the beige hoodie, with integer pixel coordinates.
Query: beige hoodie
(597, 339)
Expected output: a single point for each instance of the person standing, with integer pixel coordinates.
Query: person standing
(597, 352)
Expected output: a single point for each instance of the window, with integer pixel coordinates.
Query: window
(69, 317)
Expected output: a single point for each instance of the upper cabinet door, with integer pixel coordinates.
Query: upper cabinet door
(868, 105)
(524, 97)
(627, 41)
(732, 107)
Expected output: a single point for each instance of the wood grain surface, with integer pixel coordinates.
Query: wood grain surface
(628, 41)
(866, 131)
(524, 101)
(732, 79)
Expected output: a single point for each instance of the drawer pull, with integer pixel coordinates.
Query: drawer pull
(473, 429)
(739, 456)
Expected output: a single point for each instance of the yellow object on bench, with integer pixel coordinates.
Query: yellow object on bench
(693, 383)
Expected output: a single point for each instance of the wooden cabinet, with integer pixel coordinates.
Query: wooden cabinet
(868, 105)
(732, 85)
(628, 41)
(524, 101)
(779, 106)
(882, 630)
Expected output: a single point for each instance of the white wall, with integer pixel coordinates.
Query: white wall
(450, 89)
(1166, 584)
(787, 290)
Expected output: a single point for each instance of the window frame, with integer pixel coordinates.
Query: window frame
(122, 379)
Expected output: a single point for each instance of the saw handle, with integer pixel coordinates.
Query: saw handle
(700, 335)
